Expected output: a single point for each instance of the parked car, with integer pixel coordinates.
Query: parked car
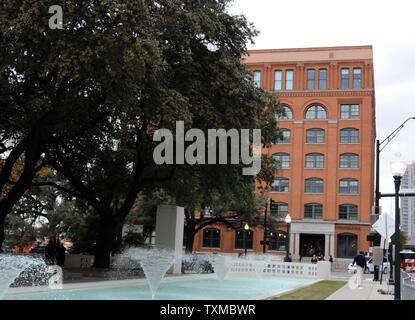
(38, 249)
(197, 263)
(371, 268)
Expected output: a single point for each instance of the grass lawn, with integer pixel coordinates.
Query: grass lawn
(318, 291)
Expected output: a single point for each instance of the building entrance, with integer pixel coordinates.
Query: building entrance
(311, 244)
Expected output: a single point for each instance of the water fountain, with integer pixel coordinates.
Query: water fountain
(155, 264)
(260, 262)
(221, 265)
(29, 270)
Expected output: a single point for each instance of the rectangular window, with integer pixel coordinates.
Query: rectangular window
(284, 160)
(345, 78)
(314, 186)
(286, 137)
(280, 185)
(315, 136)
(313, 211)
(314, 161)
(311, 77)
(349, 136)
(357, 76)
(349, 112)
(257, 79)
(322, 78)
(277, 80)
(349, 161)
(349, 186)
(289, 79)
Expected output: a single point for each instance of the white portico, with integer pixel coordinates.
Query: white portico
(307, 234)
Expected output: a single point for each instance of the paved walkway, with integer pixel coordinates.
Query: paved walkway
(368, 292)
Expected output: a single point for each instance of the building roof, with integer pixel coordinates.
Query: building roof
(294, 55)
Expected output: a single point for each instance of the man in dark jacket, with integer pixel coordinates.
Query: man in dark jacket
(361, 266)
(50, 252)
(60, 257)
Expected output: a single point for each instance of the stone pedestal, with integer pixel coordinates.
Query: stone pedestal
(169, 232)
(323, 270)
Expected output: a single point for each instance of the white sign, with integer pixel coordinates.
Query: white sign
(385, 225)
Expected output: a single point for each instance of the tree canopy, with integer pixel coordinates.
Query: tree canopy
(90, 95)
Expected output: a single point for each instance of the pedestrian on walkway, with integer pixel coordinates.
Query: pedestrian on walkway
(50, 252)
(60, 256)
(331, 263)
(361, 266)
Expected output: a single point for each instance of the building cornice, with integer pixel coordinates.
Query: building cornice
(325, 93)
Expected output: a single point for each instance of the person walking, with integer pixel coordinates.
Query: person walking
(331, 263)
(50, 252)
(360, 261)
(60, 256)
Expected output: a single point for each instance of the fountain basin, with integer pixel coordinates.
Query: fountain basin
(188, 287)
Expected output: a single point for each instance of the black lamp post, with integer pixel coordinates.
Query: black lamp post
(288, 222)
(246, 228)
(398, 168)
(378, 150)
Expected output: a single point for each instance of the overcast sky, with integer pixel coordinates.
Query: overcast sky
(389, 26)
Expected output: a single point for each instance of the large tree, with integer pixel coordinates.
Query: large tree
(117, 71)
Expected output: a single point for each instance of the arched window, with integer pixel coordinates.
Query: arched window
(316, 112)
(278, 209)
(349, 136)
(280, 185)
(314, 185)
(283, 158)
(211, 238)
(314, 161)
(348, 212)
(346, 245)
(278, 240)
(244, 236)
(288, 114)
(313, 211)
(286, 137)
(349, 161)
(349, 186)
(315, 135)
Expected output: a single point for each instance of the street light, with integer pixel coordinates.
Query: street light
(288, 221)
(245, 236)
(379, 148)
(397, 167)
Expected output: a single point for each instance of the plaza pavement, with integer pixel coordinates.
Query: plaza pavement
(368, 292)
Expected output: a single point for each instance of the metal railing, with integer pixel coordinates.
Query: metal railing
(407, 287)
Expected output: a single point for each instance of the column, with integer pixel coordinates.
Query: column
(332, 245)
(169, 232)
(326, 246)
(297, 246)
(292, 248)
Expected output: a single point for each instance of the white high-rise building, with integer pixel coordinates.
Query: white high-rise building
(408, 204)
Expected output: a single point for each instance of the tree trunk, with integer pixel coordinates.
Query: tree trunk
(2, 226)
(190, 235)
(106, 240)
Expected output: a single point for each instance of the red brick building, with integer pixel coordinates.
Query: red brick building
(327, 154)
